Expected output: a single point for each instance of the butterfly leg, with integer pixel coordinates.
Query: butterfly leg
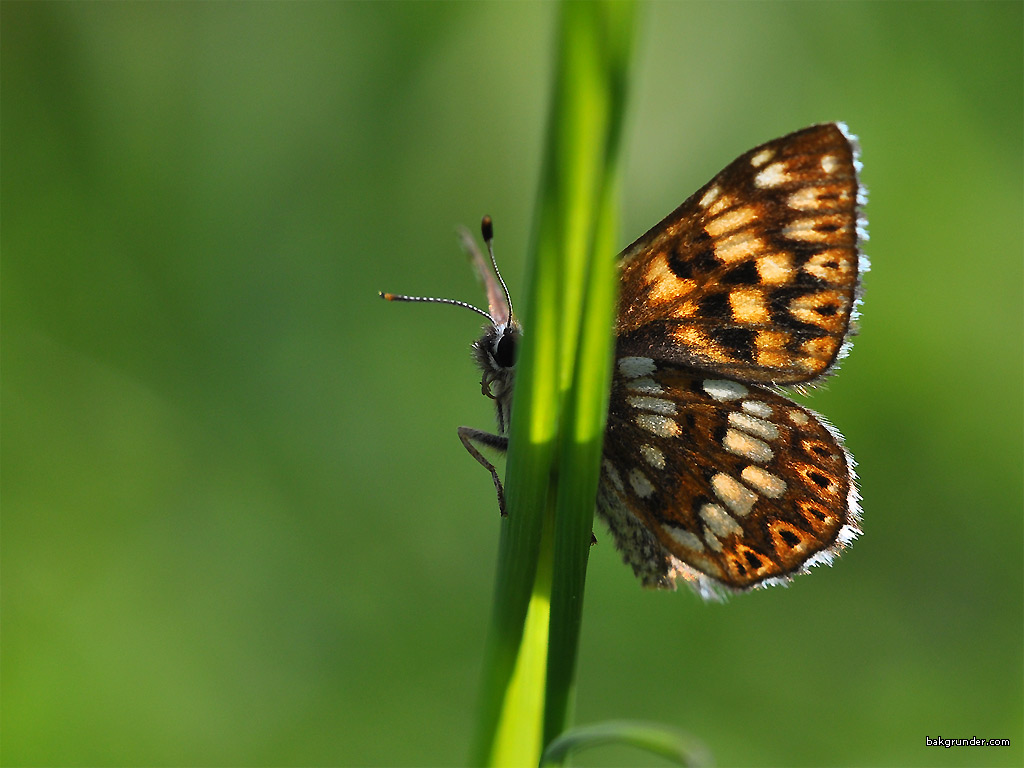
(469, 436)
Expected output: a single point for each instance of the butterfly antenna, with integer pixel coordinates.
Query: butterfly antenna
(487, 230)
(432, 300)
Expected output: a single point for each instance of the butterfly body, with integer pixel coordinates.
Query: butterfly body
(495, 355)
(709, 473)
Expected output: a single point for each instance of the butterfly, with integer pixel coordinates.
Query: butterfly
(710, 473)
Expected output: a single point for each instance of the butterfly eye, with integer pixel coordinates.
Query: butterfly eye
(505, 350)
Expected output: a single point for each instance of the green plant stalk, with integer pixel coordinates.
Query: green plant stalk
(586, 410)
(580, 458)
(582, 138)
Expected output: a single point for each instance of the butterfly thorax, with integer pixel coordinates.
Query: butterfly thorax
(495, 353)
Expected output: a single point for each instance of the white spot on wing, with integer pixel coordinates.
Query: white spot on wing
(710, 196)
(685, 538)
(763, 481)
(757, 408)
(719, 521)
(754, 426)
(829, 163)
(772, 176)
(723, 389)
(736, 496)
(641, 485)
(762, 157)
(712, 541)
(614, 476)
(646, 385)
(742, 444)
(662, 426)
(653, 456)
(656, 404)
(634, 367)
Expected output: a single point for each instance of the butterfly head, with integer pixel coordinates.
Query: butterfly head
(496, 350)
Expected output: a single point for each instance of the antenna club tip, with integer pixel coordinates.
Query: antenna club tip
(487, 228)
(386, 296)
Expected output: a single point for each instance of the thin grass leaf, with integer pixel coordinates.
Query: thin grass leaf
(609, 36)
(511, 728)
(650, 737)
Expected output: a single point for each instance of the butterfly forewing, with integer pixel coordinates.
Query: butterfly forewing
(755, 276)
(735, 482)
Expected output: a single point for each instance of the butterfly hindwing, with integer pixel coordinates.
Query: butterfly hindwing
(705, 477)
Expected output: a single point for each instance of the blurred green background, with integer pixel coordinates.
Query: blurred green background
(238, 527)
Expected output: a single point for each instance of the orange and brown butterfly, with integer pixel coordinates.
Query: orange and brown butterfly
(710, 473)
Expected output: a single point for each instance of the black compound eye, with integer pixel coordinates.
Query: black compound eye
(505, 350)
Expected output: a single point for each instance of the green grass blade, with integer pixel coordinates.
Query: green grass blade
(511, 727)
(650, 737)
(601, 83)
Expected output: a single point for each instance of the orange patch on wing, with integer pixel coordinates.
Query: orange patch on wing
(770, 349)
(775, 268)
(825, 309)
(731, 221)
(739, 247)
(820, 349)
(662, 283)
(833, 266)
(748, 306)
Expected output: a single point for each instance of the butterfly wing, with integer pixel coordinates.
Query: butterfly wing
(755, 277)
(720, 483)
